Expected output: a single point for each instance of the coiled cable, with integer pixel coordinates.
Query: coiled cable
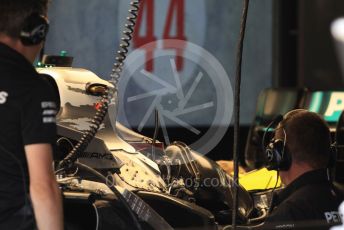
(107, 97)
(125, 43)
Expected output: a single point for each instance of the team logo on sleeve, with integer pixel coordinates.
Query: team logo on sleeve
(333, 217)
(49, 112)
(3, 97)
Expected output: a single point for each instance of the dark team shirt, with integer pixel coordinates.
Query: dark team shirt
(27, 116)
(311, 197)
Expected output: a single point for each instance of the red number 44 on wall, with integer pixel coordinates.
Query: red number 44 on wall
(176, 13)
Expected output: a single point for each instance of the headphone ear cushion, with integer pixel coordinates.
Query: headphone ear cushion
(35, 30)
(278, 157)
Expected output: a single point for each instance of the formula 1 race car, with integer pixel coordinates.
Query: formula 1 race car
(113, 184)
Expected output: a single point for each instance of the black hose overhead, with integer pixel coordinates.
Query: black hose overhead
(237, 111)
(98, 119)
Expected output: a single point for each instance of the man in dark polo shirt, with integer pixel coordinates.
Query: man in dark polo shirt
(27, 121)
(303, 142)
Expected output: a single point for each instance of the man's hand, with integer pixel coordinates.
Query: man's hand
(44, 192)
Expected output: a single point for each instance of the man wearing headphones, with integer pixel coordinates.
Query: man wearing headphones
(29, 195)
(301, 152)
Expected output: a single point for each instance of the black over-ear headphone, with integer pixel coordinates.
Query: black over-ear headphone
(277, 155)
(35, 30)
